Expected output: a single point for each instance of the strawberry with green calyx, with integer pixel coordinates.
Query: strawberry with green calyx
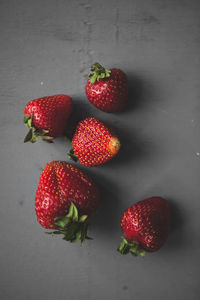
(107, 89)
(93, 143)
(66, 199)
(46, 117)
(73, 227)
(145, 226)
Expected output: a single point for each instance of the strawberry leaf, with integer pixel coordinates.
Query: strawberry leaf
(34, 132)
(72, 155)
(26, 118)
(98, 73)
(77, 237)
(46, 138)
(29, 136)
(71, 211)
(71, 226)
(132, 248)
(75, 214)
(62, 222)
(70, 234)
(93, 78)
(83, 232)
(29, 123)
(34, 138)
(83, 218)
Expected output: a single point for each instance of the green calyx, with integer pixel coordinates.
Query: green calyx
(34, 133)
(72, 155)
(98, 73)
(73, 227)
(132, 248)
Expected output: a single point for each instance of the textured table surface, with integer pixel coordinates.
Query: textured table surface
(47, 48)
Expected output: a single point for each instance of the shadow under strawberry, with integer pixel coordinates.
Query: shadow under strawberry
(140, 92)
(81, 110)
(176, 238)
(132, 147)
(106, 219)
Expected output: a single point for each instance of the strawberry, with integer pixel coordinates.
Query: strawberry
(145, 226)
(107, 89)
(47, 117)
(93, 143)
(65, 199)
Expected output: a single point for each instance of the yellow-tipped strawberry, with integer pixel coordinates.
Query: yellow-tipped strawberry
(93, 143)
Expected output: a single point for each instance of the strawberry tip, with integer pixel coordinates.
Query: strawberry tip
(114, 145)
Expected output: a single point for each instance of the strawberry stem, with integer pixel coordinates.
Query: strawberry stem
(133, 248)
(34, 133)
(73, 227)
(72, 155)
(98, 73)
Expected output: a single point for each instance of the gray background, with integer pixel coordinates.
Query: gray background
(47, 48)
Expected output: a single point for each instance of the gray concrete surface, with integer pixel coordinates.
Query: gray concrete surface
(47, 48)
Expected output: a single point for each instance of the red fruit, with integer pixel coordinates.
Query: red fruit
(65, 199)
(107, 89)
(145, 226)
(47, 117)
(93, 143)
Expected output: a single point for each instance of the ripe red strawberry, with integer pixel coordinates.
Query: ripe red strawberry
(93, 143)
(65, 199)
(145, 226)
(107, 89)
(47, 117)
